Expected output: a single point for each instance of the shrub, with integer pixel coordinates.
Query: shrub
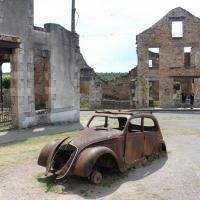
(176, 85)
(6, 81)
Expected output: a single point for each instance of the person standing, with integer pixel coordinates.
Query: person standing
(183, 98)
(191, 100)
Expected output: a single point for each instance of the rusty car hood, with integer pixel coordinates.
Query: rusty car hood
(90, 136)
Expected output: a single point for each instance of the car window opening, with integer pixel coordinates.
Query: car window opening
(100, 123)
(135, 125)
(149, 125)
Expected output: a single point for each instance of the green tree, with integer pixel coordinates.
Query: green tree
(110, 75)
(6, 81)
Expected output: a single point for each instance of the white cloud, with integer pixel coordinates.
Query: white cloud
(108, 28)
(55, 11)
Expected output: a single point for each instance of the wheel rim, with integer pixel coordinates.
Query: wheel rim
(96, 177)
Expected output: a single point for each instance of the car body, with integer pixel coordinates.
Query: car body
(110, 140)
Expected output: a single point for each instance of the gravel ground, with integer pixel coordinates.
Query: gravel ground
(176, 177)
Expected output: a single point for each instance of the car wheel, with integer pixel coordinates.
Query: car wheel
(96, 177)
(161, 151)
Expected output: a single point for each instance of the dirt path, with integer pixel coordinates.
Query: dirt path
(17, 135)
(174, 178)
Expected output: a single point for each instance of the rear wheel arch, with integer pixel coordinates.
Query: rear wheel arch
(87, 160)
(106, 160)
(163, 147)
(159, 148)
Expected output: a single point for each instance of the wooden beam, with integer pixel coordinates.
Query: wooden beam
(8, 44)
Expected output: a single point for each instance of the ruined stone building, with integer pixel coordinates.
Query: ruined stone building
(168, 60)
(117, 93)
(44, 67)
(90, 85)
(168, 65)
(99, 93)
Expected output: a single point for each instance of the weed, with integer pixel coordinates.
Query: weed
(83, 191)
(48, 183)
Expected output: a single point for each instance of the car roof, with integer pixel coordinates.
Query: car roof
(123, 114)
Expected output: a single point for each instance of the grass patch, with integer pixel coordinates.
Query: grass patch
(85, 106)
(83, 191)
(17, 152)
(48, 183)
(39, 139)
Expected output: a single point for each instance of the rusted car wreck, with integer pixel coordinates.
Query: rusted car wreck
(110, 140)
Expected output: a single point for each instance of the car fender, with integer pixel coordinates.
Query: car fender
(159, 147)
(48, 152)
(163, 146)
(88, 157)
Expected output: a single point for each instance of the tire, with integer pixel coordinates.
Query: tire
(96, 177)
(162, 151)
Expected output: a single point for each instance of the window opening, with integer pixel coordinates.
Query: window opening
(176, 89)
(177, 29)
(149, 125)
(187, 56)
(153, 59)
(135, 125)
(150, 63)
(41, 83)
(153, 93)
(98, 122)
(6, 68)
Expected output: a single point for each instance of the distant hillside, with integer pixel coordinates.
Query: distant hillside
(110, 75)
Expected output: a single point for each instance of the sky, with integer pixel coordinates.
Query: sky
(108, 28)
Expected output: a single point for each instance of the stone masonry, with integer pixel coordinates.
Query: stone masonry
(44, 67)
(90, 85)
(168, 65)
(169, 52)
(99, 93)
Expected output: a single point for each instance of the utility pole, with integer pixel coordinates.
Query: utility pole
(73, 17)
(1, 82)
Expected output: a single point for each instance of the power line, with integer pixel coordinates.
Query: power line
(77, 18)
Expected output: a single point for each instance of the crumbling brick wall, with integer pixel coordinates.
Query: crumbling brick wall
(106, 94)
(54, 86)
(172, 63)
(90, 87)
(117, 88)
(41, 80)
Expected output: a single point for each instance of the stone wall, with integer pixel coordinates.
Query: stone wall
(52, 53)
(117, 88)
(17, 21)
(171, 56)
(152, 83)
(106, 94)
(90, 87)
(41, 82)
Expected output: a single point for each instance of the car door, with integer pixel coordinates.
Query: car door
(134, 141)
(150, 129)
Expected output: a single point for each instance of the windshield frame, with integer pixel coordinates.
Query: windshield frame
(106, 122)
